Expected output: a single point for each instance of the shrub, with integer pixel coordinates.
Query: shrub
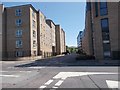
(85, 57)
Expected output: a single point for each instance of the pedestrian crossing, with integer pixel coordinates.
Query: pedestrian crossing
(57, 80)
(52, 84)
(61, 77)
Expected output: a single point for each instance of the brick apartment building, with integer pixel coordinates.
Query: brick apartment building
(27, 33)
(53, 38)
(101, 30)
(1, 27)
(79, 40)
(60, 40)
(44, 36)
(20, 31)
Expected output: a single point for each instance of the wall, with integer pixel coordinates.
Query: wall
(11, 30)
(1, 27)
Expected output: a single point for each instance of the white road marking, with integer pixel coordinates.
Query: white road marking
(16, 71)
(12, 67)
(54, 87)
(64, 75)
(36, 67)
(43, 86)
(59, 83)
(25, 71)
(9, 76)
(112, 84)
(48, 82)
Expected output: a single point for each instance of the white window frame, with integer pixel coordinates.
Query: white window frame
(34, 34)
(18, 23)
(33, 14)
(34, 44)
(19, 33)
(19, 53)
(107, 53)
(18, 44)
(33, 23)
(18, 12)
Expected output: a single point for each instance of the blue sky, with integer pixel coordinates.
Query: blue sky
(71, 16)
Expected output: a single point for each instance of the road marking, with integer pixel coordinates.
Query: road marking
(25, 71)
(54, 87)
(43, 86)
(16, 71)
(9, 76)
(49, 82)
(112, 84)
(59, 83)
(64, 75)
(36, 67)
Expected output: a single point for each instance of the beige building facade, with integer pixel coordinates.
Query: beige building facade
(44, 36)
(21, 30)
(27, 33)
(1, 28)
(101, 30)
(60, 40)
(53, 40)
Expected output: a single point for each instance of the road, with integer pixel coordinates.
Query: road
(57, 73)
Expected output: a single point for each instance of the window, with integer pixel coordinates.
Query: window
(105, 25)
(18, 22)
(103, 8)
(18, 53)
(88, 6)
(18, 12)
(35, 53)
(34, 34)
(19, 33)
(33, 23)
(34, 43)
(105, 35)
(18, 43)
(33, 14)
(96, 9)
(106, 49)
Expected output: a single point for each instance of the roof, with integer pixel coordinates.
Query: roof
(50, 20)
(30, 5)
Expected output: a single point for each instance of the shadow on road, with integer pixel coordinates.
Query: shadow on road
(69, 60)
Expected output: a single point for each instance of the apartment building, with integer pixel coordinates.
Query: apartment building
(63, 45)
(60, 40)
(21, 31)
(101, 30)
(27, 33)
(44, 36)
(1, 27)
(52, 26)
(79, 40)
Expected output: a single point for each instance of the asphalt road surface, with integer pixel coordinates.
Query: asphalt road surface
(56, 73)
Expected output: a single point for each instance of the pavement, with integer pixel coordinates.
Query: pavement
(58, 73)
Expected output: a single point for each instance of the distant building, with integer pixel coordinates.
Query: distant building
(44, 36)
(79, 40)
(60, 40)
(101, 30)
(53, 40)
